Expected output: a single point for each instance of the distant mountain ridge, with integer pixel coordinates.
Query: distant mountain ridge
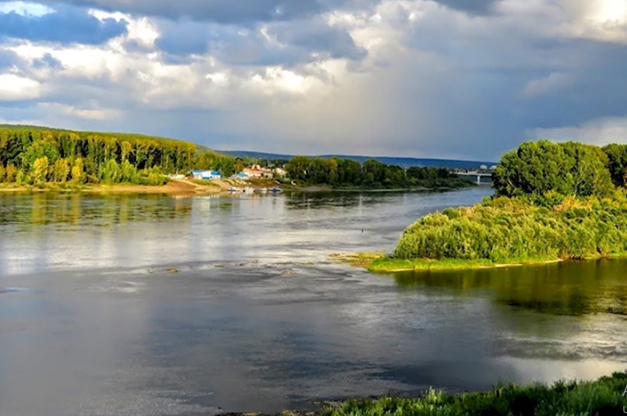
(405, 162)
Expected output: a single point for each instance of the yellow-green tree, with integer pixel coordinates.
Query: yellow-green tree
(61, 170)
(77, 171)
(10, 173)
(39, 170)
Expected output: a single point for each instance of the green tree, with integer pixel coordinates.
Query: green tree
(3, 173)
(566, 168)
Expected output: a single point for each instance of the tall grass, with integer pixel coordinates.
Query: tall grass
(507, 230)
(598, 398)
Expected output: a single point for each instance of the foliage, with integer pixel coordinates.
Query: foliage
(588, 398)
(566, 168)
(617, 163)
(511, 230)
(37, 155)
(372, 174)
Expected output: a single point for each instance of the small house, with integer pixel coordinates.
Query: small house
(280, 172)
(241, 176)
(206, 175)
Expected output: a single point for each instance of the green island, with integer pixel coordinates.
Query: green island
(552, 202)
(38, 159)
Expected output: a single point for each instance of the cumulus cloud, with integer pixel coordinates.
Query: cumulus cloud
(17, 88)
(66, 25)
(599, 132)
(223, 11)
(467, 79)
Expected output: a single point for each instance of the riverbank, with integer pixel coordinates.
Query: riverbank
(381, 263)
(184, 187)
(602, 397)
(173, 187)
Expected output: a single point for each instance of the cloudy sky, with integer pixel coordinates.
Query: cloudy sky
(430, 78)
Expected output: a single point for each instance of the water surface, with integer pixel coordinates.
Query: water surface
(258, 318)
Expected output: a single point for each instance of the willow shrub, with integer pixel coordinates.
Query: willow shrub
(504, 229)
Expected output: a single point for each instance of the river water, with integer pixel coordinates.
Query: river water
(256, 318)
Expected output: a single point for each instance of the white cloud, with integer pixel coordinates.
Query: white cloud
(434, 82)
(24, 8)
(16, 88)
(598, 132)
(83, 113)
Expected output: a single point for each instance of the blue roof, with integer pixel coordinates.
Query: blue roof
(215, 172)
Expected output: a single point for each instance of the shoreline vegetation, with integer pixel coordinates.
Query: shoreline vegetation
(602, 397)
(184, 187)
(36, 159)
(553, 202)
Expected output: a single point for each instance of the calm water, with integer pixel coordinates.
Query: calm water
(258, 319)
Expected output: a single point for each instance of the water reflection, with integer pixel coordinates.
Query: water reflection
(43, 232)
(569, 288)
(257, 319)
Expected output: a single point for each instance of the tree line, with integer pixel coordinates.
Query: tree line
(337, 172)
(569, 168)
(31, 155)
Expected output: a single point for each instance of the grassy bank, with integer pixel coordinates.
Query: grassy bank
(506, 232)
(517, 231)
(593, 398)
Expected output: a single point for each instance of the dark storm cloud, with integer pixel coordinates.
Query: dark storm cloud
(221, 11)
(299, 40)
(67, 25)
(598, 90)
(320, 38)
(470, 6)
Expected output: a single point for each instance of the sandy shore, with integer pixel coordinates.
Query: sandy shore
(174, 187)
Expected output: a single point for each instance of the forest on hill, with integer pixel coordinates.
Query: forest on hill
(31, 155)
(36, 155)
(403, 162)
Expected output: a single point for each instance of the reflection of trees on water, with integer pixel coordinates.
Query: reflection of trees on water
(77, 209)
(322, 200)
(571, 288)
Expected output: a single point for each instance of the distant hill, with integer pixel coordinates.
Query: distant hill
(405, 162)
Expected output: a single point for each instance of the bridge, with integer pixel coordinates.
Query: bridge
(477, 177)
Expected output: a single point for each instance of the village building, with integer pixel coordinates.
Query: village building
(257, 172)
(280, 172)
(206, 175)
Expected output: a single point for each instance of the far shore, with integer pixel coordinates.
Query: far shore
(382, 263)
(187, 188)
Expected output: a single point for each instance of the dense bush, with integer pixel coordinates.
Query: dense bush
(522, 228)
(598, 398)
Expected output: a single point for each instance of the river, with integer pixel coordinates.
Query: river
(149, 305)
